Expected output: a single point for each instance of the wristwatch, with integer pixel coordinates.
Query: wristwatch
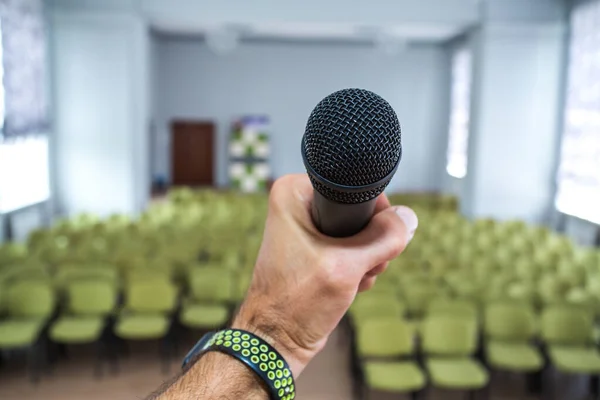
(253, 351)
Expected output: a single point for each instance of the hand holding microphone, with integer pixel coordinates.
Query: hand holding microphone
(320, 246)
(323, 245)
(304, 281)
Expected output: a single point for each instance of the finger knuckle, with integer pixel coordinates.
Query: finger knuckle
(397, 238)
(279, 191)
(330, 276)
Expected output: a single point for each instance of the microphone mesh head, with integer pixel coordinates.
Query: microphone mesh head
(352, 138)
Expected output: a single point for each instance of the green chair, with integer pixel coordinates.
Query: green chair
(376, 305)
(147, 314)
(25, 271)
(208, 305)
(385, 347)
(523, 292)
(418, 296)
(552, 290)
(12, 253)
(449, 343)
(385, 284)
(66, 274)
(509, 331)
(568, 335)
(89, 304)
(244, 279)
(453, 308)
(29, 305)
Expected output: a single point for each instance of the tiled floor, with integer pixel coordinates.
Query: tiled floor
(327, 378)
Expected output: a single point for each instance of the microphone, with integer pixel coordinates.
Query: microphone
(351, 149)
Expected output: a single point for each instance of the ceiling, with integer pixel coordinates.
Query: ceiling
(407, 32)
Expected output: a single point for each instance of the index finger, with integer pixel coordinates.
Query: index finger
(382, 203)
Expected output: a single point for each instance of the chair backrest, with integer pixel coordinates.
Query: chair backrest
(567, 325)
(551, 289)
(73, 272)
(376, 305)
(144, 274)
(12, 253)
(243, 283)
(511, 322)
(449, 336)
(150, 296)
(29, 298)
(25, 271)
(91, 296)
(211, 284)
(384, 337)
(385, 284)
(452, 308)
(418, 296)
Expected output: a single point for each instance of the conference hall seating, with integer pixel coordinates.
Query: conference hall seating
(467, 298)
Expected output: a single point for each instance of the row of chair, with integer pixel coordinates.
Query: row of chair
(453, 356)
(98, 311)
(467, 298)
(185, 262)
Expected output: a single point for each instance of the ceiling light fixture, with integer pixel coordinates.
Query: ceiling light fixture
(389, 44)
(223, 40)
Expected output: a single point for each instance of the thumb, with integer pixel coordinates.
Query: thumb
(384, 238)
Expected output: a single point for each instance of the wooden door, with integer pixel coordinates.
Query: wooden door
(192, 153)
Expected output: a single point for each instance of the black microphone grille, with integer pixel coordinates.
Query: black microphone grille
(352, 142)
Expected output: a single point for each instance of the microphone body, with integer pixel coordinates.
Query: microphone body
(338, 219)
(351, 149)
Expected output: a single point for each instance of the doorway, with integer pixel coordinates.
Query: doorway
(192, 152)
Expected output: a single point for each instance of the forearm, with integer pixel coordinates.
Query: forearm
(215, 376)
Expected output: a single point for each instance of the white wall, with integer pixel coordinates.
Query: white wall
(514, 11)
(515, 133)
(191, 13)
(285, 81)
(101, 103)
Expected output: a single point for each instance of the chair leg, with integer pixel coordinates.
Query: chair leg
(44, 351)
(534, 382)
(62, 351)
(100, 354)
(34, 361)
(123, 347)
(164, 353)
(595, 386)
(552, 387)
(113, 354)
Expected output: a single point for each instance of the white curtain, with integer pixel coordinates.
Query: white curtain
(579, 170)
(458, 138)
(24, 67)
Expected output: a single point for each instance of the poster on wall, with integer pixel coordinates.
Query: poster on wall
(249, 153)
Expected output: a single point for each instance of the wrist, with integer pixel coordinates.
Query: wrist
(271, 329)
(220, 370)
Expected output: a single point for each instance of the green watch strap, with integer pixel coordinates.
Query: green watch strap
(256, 353)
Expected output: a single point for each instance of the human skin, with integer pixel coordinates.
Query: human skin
(303, 284)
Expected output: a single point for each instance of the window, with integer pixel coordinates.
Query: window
(458, 135)
(1, 85)
(23, 172)
(579, 169)
(23, 105)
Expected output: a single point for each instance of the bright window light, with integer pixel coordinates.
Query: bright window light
(579, 170)
(23, 172)
(2, 107)
(458, 139)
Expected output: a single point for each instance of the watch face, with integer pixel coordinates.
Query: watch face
(198, 347)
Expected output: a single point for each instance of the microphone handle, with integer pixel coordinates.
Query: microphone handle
(338, 219)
